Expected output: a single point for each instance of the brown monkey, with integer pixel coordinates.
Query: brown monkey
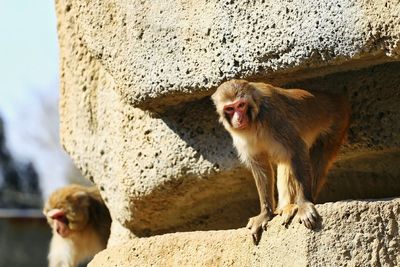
(80, 222)
(298, 130)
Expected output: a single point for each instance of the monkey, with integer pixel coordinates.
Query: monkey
(299, 131)
(80, 223)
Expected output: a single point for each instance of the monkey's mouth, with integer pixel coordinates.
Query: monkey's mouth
(240, 126)
(62, 227)
(63, 231)
(64, 220)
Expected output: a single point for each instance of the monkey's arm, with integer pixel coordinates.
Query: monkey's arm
(264, 177)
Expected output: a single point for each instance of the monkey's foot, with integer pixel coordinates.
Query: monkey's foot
(307, 214)
(287, 213)
(258, 223)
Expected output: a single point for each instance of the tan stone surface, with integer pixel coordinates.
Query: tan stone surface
(170, 171)
(164, 52)
(176, 170)
(355, 233)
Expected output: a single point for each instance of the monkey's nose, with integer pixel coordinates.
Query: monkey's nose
(56, 213)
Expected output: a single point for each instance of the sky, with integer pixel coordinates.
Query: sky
(29, 88)
(28, 49)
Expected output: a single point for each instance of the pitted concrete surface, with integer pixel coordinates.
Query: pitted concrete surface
(168, 52)
(176, 170)
(353, 233)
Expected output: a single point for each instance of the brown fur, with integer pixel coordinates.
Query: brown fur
(85, 226)
(300, 131)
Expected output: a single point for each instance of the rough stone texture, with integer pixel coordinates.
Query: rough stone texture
(176, 170)
(137, 120)
(170, 166)
(199, 44)
(355, 233)
(367, 175)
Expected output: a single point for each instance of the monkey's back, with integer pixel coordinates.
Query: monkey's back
(311, 113)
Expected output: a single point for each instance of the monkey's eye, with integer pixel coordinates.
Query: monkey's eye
(241, 105)
(229, 110)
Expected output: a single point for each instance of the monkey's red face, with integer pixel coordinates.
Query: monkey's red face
(236, 114)
(60, 221)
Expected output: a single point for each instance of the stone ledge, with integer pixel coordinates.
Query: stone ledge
(159, 172)
(172, 52)
(354, 233)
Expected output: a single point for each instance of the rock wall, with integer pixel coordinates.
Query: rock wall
(137, 120)
(368, 236)
(201, 43)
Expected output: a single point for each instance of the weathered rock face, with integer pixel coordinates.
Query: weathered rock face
(368, 236)
(137, 120)
(160, 54)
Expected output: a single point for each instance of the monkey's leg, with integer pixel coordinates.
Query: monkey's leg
(302, 174)
(264, 177)
(286, 193)
(322, 155)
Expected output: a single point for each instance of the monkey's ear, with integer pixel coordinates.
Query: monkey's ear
(82, 197)
(80, 194)
(214, 98)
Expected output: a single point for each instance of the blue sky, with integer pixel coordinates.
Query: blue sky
(28, 49)
(29, 88)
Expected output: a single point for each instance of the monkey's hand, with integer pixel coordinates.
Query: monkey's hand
(287, 213)
(257, 224)
(308, 215)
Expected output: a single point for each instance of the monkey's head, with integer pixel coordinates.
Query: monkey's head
(67, 210)
(237, 102)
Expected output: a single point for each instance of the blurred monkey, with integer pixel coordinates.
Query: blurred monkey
(80, 222)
